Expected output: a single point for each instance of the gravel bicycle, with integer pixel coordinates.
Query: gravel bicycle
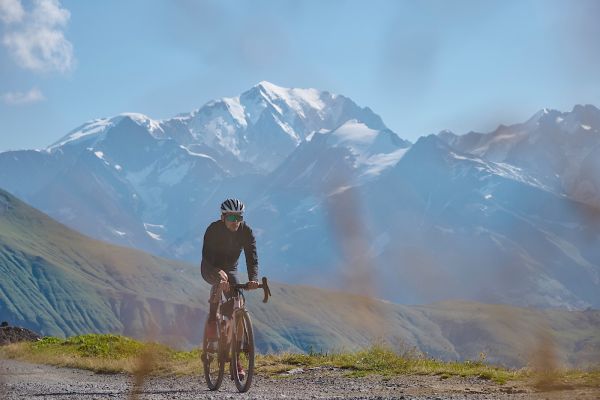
(234, 342)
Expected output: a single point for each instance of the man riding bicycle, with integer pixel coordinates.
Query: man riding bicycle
(223, 243)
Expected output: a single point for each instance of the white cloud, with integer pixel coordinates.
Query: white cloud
(49, 12)
(35, 39)
(20, 98)
(11, 11)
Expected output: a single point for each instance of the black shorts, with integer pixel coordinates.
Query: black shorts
(211, 274)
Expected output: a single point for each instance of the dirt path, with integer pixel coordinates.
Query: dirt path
(20, 380)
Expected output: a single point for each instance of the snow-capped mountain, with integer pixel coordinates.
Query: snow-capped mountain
(437, 224)
(254, 131)
(562, 148)
(141, 182)
(463, 226)
(94, 131)
(115, 179)
(329, 188)
(265, 124)
(352, 150)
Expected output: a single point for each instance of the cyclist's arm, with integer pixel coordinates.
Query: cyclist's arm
(213, 272)
(251, 255)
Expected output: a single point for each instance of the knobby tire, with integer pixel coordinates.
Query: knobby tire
(213, 362)
(243, 335)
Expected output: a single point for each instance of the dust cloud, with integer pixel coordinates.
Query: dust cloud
(145, 365)
(544, 362)
(357, 273)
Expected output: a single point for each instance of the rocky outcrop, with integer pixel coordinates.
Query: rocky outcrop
(14, 334)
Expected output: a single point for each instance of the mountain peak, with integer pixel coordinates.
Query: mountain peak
(136, 117)
(581, 115)
(428, 147)
(83, 132)
(95, 129)
(447, 135)
(153, 126)
(587, 114)
(580, 108)
(267, 90)
(430, 142)
(297, 99)
(542, 115)
(270, 87)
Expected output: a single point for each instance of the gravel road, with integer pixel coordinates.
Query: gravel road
(19, 380)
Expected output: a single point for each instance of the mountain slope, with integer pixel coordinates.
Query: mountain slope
(470, 228)
(59, 282)
(116, 180)
(562, 148)
(437, 224)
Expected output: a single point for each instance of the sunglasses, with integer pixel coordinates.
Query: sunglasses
(234, 217)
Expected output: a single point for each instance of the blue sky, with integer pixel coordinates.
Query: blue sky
(423, 66)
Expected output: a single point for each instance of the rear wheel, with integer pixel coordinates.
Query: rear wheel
(242, 351)
(212, 358)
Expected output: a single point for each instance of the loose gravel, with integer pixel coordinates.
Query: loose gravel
(19, 380)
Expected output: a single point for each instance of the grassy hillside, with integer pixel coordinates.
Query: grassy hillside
(58, 282)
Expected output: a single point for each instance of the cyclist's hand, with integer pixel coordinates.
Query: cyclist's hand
(223, 275)
(224, 286)
(252, 285)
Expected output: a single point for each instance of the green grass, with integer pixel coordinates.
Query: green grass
(106, 354)
(92, 345)
(119, 354)
(381, 360)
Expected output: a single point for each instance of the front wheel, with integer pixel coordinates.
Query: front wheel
(212, 358)
(242, 352)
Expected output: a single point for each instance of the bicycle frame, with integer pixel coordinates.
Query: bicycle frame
(239, 305)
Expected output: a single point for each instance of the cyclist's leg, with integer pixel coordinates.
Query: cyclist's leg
(211, 275)
(227, 309)
(232, 276)
(233, 279)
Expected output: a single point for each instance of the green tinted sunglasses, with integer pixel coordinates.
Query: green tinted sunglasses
(234, 217)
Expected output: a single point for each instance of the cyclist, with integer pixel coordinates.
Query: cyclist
(223, 243)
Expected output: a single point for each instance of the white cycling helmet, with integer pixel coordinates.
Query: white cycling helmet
(232, 206)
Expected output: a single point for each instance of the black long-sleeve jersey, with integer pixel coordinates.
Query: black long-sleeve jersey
(222, 248)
